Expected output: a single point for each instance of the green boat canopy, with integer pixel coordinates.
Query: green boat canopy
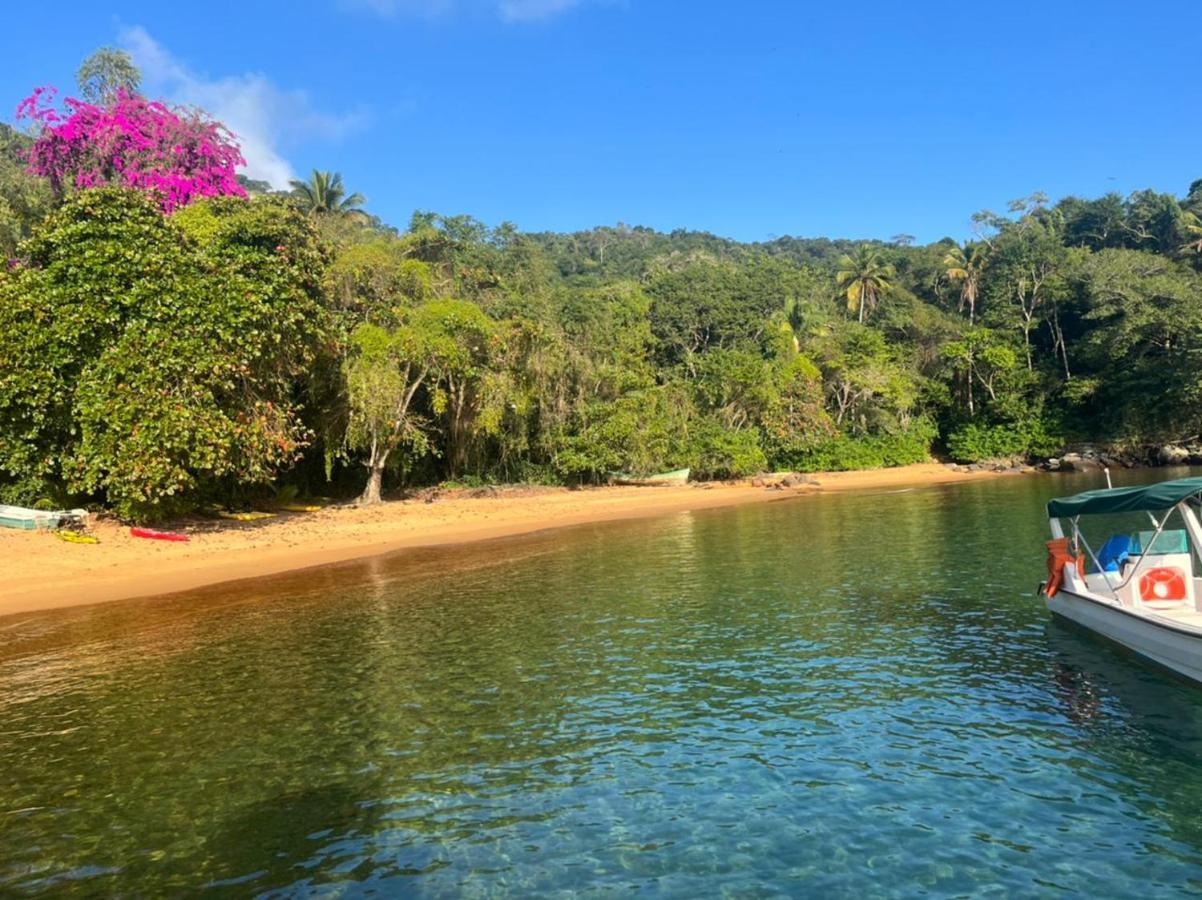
(1150, 498)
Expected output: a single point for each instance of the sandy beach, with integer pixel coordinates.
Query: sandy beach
(41, 572)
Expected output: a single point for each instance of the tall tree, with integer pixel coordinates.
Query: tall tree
(107, 75)
(1153, 221)
(979, 357)
(431, 353)
(707, 304)
(1028, 262)
(324, 193)
(1145, 342)
(966, 265)
(1191, 227)
(864, 278)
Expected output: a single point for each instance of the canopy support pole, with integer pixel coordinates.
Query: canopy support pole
(1194, 527)
(1079, 540)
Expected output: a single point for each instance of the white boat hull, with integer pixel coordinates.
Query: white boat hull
(1173, 647)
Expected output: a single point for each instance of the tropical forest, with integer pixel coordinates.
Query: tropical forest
(174, 334)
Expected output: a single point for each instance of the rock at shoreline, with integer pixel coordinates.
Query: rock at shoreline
(1173, 455)
(1087, 459)
(778, 480)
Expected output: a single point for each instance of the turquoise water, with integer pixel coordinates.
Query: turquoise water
(840, 696)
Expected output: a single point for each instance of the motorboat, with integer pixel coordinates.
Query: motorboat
(1139, 587)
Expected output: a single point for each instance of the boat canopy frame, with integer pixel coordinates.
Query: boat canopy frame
(1164, 497)
(1078, 540)
(1145, 498)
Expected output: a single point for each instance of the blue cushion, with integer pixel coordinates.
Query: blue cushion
(1115, 552)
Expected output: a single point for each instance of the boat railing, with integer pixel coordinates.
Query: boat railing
(1079, 540)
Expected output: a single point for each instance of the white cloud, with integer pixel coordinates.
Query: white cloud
(509, 10)
(262, 116)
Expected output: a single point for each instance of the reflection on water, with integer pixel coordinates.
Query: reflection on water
(843, 696)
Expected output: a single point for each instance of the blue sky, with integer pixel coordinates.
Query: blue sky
(749, 120)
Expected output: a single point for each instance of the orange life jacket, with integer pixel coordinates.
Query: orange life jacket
(1058, 557)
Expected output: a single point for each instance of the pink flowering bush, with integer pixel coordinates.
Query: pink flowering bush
(176, 155)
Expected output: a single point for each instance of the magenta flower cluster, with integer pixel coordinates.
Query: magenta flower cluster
(178, 155)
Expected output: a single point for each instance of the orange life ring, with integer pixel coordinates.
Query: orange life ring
(1163, 583)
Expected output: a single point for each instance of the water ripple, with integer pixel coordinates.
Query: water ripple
(741, 702)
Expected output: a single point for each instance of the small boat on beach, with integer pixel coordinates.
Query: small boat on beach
(1139, 589)
(25, 519)
(676, 476)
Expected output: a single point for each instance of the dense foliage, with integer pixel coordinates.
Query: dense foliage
(149, 360)
(24, 198)
(158, 350)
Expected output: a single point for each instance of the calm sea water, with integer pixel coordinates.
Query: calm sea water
(840, 696)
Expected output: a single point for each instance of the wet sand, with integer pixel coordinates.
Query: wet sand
(38, 571)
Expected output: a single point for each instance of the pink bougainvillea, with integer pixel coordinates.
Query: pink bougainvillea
(178, 155)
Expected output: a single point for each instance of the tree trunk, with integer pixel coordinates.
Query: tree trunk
(371, 493)
(375, 479)
(1058, 340)
(457, 432)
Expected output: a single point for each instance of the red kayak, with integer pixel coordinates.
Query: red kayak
(158, 535)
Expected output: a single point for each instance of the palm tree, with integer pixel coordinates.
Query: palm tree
(864, 279)
(965, 265)
(791, 316)
(325, 193)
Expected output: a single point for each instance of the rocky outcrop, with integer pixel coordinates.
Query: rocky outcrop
(1077, 462)
(1087, 458)
(1173, 455)
(780, 480)
(999, 465)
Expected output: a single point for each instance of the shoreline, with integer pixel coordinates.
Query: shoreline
(43, 573)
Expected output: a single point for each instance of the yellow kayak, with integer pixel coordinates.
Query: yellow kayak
(298, 507)
(244, 516)
(75, 537)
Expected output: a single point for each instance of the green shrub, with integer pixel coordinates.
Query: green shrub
(843, 453)
(975, 442)
(720, 452)
(640, 432)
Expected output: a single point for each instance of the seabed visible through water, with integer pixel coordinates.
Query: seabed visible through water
(842, 696)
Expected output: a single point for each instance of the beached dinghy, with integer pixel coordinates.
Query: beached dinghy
(676, 476)
(38, 519)
(1139, 589)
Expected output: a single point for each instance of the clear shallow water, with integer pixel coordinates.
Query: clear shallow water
(842, 696)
